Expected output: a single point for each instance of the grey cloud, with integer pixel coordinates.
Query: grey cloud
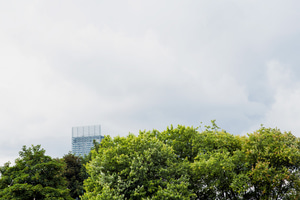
(133, 65)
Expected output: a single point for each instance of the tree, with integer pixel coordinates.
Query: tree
(273, 158)
(183, 163)
(182, 139)
(75, 174)
(215, 166)
(136, 168)
(34, 176)
(264, 165)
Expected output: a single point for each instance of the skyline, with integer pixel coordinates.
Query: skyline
(135, 65)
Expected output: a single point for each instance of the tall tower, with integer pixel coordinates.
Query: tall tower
(82, 138)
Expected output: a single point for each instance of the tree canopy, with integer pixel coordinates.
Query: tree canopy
(34, 176)
(75, 174)
(179, 163)
(185, 163)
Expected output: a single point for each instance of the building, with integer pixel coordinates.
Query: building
(83, 137)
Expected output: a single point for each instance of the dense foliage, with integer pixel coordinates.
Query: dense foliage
(178, 163)
(75, 174)
(34, 176)
(184, 163)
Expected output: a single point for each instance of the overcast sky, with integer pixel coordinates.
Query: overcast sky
(135, 65)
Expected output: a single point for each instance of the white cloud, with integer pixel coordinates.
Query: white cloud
(142, 65)
(284, 112)
(36, 102)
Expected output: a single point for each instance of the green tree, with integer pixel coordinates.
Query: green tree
(34, 176)
(183, 163)
(273, 158)
(262, 165)
(136, 168)
(216, 164)
(182, 139)
(75, 174)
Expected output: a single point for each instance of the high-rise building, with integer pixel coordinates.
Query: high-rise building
(82, 138)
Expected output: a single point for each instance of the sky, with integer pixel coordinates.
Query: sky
(133, 65)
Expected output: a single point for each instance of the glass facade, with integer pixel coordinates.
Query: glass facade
(82, 138)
